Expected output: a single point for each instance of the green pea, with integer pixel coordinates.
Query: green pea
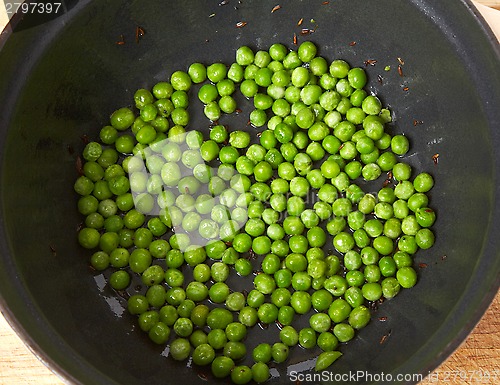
(196, 291)
(217, 338)
(260, 372)
(203, 354)
(119, 280)
(235, 73)
(424, 238)
(326, 359)
(218, 292)
(219, 318)
(180, 81)
(241, 374)
(320, 322)
(327, 341)
(198, 337)
(289, 336)
(301, 302)
(407, 277)
(402, 259)
(372, 291)
(199, 314)
(137, 304)
(222, 366)
(423, 182)
(344, 332)
(235, 350)
(390, 287)
(159, 333)
(248, 316)
(262, 353)
(425, 216)
(354, 296)
(243, 267)
(180, 349)
(148, 319)
(387, 266)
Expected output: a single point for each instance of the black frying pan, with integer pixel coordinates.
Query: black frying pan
(61, 77)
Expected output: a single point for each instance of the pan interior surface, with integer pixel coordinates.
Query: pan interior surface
(61, 80)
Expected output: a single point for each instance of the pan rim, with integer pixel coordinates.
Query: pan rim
(450, 348)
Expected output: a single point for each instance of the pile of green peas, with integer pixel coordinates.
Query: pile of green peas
(181, 211)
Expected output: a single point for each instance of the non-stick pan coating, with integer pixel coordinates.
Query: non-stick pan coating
(61, 79)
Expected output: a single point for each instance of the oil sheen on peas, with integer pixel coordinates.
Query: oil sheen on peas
(213, 233)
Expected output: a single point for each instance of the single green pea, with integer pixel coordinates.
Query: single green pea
(260, 372)
(289, 336)
(168, 315)
(424, 238)
(359, 317)
(425, 216)
(89, 238)
(279, 352)
(307, 338)
(423, 182)
(409, 225)
(262, 353)
(159, 333)
(148, 319)
(243, 267)
(339, 310)
(327, 342)
(217, 338)
(408, 244)
(235, 301)
(235, 350)
(241, 374)
(123, 118)
(218, 292)
(119, 280)
(199, 314)
(407, 277)
(401, 171)
(354, 296)
(197, 72)
(137, 304)
(180, 349)
(301, 302)
(235, 73)
(196, 291)
(236, 331)
(248, 316)
(372, 291)
(198, 337)
(180, 81)
(285, 315)
(244, 56)
(222, 366)
(320, 322)
(390, 287)
(326, 359)
(175, 296)
(344, 332)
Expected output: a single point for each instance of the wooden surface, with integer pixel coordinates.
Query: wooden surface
(490, 3)
(477, 361)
